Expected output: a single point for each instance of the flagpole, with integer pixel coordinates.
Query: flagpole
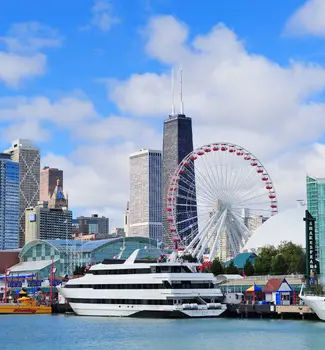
(51, 282)
(4, 298)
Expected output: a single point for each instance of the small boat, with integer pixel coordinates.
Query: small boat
(24, 305)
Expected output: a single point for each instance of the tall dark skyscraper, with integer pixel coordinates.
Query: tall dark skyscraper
(177, 143)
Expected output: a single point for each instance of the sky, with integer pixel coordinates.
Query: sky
(89, 82)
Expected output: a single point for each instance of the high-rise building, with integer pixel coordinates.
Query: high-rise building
(316, 207)
(49, 219)
(95, 226)
(177, 143)
(127, 219)
(145, 217)
(48, 181)
(9, 203)
(28, 156)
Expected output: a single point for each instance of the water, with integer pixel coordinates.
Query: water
(71, 332)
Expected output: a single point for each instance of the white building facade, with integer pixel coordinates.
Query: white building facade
(145, 211)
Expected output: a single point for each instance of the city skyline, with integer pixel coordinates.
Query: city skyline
(239, 84)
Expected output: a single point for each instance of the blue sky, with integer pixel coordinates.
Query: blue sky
(89, 83)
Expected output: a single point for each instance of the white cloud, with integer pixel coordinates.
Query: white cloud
(64, 111)
(15, 68)
(102, 16)
(229, 92)
(25, 129)
(308, 19)
(30, 37)
(22, 58)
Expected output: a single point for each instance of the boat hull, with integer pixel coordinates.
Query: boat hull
(24, 309)
(149, 311)
(317, 304)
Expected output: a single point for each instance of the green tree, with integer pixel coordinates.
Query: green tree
(294, 256)
(231, 269)
(279, 265)
(262, 263)
(249, 268)
(217, 267)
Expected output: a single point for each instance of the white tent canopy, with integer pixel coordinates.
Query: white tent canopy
(285, 226)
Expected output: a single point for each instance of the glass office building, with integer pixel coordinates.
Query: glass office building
(9, 203)
(316, 207)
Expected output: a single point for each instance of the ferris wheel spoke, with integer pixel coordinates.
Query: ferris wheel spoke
(218, 220)
(196, 176)
(219, 228)
(199, 188)
(195, 195)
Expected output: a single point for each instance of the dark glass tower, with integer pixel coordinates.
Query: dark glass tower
(177, 143)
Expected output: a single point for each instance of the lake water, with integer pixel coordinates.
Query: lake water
(72, 332)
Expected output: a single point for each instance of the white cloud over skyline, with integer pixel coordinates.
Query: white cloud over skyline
(230, 93)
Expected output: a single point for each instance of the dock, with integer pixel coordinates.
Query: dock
(270, 311)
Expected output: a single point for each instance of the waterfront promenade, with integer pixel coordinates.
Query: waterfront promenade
(68, 332)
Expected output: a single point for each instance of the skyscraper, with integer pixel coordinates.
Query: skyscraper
(48, 181)
(92, 226)
(9, 203)
(316, 207)
(177, 143)
(145, 195)
(49, 220)
(28, 156)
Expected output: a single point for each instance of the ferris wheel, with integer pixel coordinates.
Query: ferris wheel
(213, 194)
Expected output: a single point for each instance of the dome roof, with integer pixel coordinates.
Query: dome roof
(285, 226)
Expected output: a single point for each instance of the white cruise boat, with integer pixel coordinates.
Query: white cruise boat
(170, 289)
(315, 302)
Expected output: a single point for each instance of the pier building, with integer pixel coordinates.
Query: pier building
(37, 256)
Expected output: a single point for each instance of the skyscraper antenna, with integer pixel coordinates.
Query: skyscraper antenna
(173, 91)
(181, 90)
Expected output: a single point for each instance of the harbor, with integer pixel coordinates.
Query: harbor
(67, 332)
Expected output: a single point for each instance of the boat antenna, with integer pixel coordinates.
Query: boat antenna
(181, 90)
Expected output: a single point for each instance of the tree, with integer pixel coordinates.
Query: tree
(294, 256)
(249, 268)
(232, 269)
(279, 265)
(217, 267)
(263, 261)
